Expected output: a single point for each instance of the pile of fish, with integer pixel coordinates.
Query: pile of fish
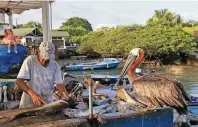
(104, 107)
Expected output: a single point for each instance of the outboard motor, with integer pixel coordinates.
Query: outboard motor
(73, 85)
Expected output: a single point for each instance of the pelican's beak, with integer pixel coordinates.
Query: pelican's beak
(133, 55)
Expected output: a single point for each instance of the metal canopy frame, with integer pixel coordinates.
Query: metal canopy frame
(19, 6)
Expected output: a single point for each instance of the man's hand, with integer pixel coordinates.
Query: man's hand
(68, 97)
(37, 100)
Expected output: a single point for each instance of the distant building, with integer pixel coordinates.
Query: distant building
(2, 16)
(59, 38)
(29, 36)
(33, 36)
(4, 26)
(106, 26)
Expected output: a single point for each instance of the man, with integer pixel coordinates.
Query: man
(41, 72)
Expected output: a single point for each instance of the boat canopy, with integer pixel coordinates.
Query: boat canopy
(19, 6)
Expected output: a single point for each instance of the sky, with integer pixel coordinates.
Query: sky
(110, 11)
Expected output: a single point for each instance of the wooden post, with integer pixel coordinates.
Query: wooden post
(1, 91)
(5, 100)
(5, 94)
(56, 53)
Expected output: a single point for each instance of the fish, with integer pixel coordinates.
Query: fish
(193, 118)
(52, 108)
(97, 102)
(182, 124)
(84, 113)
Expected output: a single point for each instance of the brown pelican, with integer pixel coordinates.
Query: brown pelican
(154, 90)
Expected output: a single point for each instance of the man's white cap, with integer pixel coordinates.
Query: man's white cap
(47, 50)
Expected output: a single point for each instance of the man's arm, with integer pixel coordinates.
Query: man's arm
(23, 86)
(59, 82)
(35, 97)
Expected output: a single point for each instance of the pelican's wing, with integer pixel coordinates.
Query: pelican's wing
(159, 90)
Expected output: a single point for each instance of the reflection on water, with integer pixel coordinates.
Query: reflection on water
(187, 75)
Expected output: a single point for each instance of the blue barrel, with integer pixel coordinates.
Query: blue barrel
(7, 60)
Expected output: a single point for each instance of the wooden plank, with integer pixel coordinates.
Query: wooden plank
(62, 123)
(7, 80)
(48, 109)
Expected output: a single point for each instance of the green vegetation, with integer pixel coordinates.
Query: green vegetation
(162, 34)
(190, 29)
(30, 24)
(77, 28)
(164, 18)
(155, 39)
(78, 22)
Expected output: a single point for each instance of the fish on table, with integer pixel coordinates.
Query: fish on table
(52, 108)
(84, 113)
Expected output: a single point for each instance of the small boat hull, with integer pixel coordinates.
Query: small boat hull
(193, 105)
(106, 64)
(159, 118)
(193, 109)
(109, 79)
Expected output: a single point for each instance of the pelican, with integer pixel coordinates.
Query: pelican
(154, 90)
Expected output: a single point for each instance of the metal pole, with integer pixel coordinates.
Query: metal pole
(10, 21)
(90, 102)
(16, 22)
(51, 14)
(45, 21)
(50, 19)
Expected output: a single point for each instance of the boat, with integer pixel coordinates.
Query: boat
(12, 59)
(107, 79)
(107, 63)
(78, 57)
(160, 117)
(193, 105)
(112, 79)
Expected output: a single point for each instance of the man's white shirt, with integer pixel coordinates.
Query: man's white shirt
(40, 79)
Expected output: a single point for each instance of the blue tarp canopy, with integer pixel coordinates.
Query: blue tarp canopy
(7, 60)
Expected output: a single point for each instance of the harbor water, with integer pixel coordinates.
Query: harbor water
(187, 75)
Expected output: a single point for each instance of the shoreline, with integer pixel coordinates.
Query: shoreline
(147, 63)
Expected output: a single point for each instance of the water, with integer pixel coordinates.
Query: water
(187, 75)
